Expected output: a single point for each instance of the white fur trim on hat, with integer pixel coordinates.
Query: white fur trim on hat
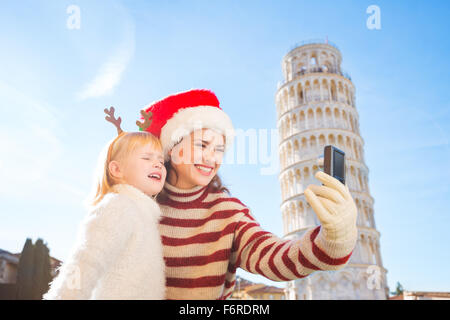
(187, 120)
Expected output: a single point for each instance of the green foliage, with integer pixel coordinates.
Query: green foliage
(25, 272)
(42, 276)
(34, 274)
(398, 291)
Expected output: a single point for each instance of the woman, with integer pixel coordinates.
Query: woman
(207, 234)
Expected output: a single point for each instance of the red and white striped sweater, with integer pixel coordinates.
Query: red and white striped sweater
(207, 235)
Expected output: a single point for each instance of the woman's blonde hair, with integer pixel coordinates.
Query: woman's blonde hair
(117, 149)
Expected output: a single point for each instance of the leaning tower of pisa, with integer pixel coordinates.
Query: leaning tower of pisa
(316, 107)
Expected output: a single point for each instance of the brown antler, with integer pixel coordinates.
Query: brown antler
(111, 118)
(147, 120)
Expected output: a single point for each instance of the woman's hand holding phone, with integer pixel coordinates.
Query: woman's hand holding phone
(334, 206)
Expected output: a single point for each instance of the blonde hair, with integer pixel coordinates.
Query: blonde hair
(117, 149)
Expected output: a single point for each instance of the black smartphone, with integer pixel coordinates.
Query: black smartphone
(334, 163)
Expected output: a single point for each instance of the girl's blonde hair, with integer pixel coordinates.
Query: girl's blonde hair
(117, 149)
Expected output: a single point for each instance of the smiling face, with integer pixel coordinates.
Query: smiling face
(143, 168)
(196, 159)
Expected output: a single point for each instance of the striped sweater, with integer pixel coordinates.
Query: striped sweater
(206, 236)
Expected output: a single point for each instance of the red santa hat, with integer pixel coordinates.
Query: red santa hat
(177, 115)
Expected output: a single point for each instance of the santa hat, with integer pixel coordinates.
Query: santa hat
(177, 115)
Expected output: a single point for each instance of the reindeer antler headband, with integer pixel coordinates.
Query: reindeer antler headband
(147, 120)
(117, 121)
(110, 117)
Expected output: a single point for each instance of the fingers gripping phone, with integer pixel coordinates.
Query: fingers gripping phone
(334, 163)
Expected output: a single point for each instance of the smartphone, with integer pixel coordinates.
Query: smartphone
(334, 163)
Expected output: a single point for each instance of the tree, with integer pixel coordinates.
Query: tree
(399, 290)
(33, 274)
(41, 272)
(25, 272)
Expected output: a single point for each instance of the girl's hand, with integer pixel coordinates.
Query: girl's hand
(334, 206)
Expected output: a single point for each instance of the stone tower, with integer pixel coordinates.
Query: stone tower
(316, 107)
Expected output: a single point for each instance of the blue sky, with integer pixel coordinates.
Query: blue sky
(55, 83)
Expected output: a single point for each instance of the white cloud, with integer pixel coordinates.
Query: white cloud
(110, 73)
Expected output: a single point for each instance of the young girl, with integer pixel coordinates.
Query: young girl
(118, 254)
(207, 234)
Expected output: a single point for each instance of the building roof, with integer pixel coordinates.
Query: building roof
(14, 258)
(254, 288)
(242, 283)
(8, 256)
(266, 289)
(424, 294)
(427, 294)
(397, 297)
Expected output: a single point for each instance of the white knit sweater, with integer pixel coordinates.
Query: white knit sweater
(118, 253)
